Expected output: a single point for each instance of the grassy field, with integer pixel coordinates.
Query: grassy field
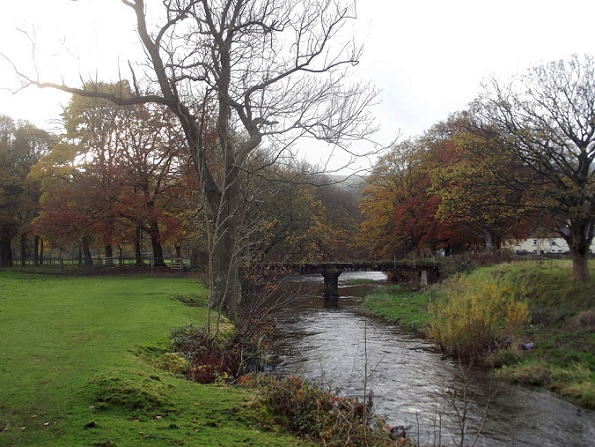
(74, 369)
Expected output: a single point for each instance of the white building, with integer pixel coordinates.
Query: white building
(542, 245)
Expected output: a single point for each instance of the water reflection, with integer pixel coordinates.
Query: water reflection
(338, 344)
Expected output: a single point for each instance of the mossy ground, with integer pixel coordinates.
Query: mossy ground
(78, 367)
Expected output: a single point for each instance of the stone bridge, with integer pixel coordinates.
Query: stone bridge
(331, 271)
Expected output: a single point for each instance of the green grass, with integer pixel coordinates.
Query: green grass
(399, 305)
(71, 373)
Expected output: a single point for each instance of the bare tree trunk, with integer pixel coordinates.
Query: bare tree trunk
(86, 247)
(109, 255)
(580, 266)
(138, 254)
(488, 237)
(23, 249)
(41, 251)
(577, 234)
(5, 253)
(227, 276)
(156, 244)
(225, 211)
(158, 260)
(36, 251)
(579, 249)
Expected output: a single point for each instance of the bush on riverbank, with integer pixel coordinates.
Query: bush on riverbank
(479, 313)
(222, 355)
(321, 415)
(574, 381)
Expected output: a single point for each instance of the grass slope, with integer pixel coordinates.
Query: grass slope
(562, 330)
(68, 343)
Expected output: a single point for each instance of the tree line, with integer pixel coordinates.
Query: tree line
(118, 174)
(518, 162)
(120, 178)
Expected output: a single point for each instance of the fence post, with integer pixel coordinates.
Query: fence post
(423, 278)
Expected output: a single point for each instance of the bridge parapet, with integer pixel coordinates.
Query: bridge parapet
(332, 270)
(385, 266)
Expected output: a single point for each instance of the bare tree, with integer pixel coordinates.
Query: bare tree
(546, 119)
(239, 73)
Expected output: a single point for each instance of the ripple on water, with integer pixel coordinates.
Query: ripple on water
(412, 385)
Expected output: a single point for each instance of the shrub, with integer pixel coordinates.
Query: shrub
(583, 393)
(321, 415)
(477, 314)
(223, 355)
(505, 357)
(209, 355)
(537, 373)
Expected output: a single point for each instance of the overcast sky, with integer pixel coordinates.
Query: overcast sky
(427, 57)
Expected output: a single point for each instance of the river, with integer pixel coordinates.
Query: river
(338, 346)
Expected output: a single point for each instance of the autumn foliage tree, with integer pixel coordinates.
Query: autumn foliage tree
(415, 225)
(109, 178)
(418, 216)
(383, 191)
(69, 215)
(340, 219)
(472, 191)
(152, 156)
(21, 146)
(400, 207)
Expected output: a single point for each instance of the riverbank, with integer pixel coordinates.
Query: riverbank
(554, 347)
(81, 364)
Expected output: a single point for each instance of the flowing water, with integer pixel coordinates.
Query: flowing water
(339, 345)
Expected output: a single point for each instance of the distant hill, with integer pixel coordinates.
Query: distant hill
(349, 181)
